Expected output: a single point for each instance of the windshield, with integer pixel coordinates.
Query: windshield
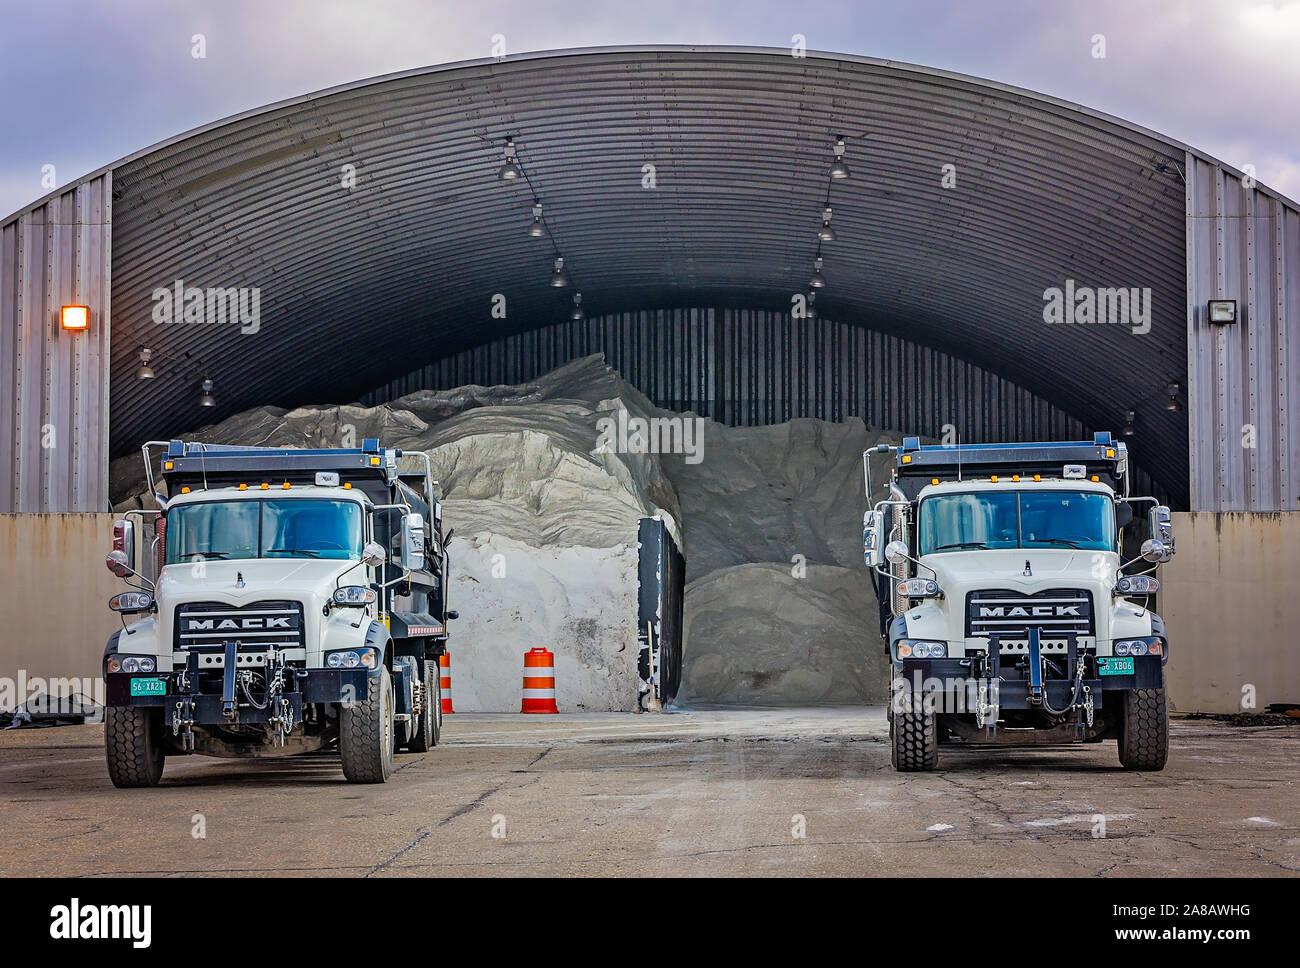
(1016, 519)
(223, 530)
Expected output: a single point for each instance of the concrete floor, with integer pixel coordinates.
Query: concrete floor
(687, 793)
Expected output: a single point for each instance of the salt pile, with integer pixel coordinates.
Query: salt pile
(779, 609)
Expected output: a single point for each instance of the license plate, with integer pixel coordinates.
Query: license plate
(1115, 666)
(148, 687)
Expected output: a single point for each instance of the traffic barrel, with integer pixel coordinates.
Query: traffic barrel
(539, 682)
(444, 671)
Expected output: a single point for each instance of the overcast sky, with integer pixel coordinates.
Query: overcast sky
(85, 83)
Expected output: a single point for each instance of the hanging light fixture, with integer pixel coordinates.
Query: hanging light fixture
(145, 371)
(810, 312)
(839, 169)
(1172, 403)
(535, 230)
(818, 280)
(578, 312)
(207, 400)
(1130, 423)
(510, 170)
(558, 277)
(827, 234)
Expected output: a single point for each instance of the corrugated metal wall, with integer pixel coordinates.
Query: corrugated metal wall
(54, 384)
(744, 367)
(1243, 243)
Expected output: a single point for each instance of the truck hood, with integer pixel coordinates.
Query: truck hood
(308, 580)
(961, 572)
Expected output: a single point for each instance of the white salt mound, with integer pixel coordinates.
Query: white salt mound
(545, 552)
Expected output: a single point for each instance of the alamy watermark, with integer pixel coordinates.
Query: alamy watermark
(73, 696)
(930, 694)
(217, 305)
(1087, 304)
(651, 435)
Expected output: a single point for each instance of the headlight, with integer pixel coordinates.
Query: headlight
(1137, 585)
(131, 664)
(914, 649)
(131, 602)
(354, 595)
(352, 659)
(918, 588)
(1149, 646)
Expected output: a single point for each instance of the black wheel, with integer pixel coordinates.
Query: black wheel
(914, 739)
(133, 746)
(428, 726)
(1144, 730)
(366, 733)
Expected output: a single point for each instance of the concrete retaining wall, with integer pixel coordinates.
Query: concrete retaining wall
(56, 591)
(1231, 601)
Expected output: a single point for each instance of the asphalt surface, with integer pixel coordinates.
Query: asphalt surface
(687, 793)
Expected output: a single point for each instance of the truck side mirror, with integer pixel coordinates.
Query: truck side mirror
(873, 534)
(116, 563)
(1153, 550)
(896, 552)
(1161, 524)
(411, 549)
(124, 541)
(373, 554)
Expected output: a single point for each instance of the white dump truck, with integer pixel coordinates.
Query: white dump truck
(288, 601)
(1009, 613)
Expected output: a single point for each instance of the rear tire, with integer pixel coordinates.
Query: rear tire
(1144, 730)
(914, 740)
(133, 746)
(366, 733)
(429, 725)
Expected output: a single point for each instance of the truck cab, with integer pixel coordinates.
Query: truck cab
(289, 601)
(1010, 613)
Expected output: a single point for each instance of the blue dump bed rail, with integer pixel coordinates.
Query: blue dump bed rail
(188, 464)
(920, 464)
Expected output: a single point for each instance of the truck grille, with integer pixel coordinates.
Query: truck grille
(209, 624)
(1006, 612)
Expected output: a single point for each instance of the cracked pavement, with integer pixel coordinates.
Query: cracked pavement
(687, 793)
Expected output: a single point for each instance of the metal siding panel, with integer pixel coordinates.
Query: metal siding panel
(1240, 376)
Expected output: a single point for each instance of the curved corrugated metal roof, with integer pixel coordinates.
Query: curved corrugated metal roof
(359, 286)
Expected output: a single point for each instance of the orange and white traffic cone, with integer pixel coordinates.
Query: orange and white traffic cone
(444, 670)
(539, 682)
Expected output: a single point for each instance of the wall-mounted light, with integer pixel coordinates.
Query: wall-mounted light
(509, 171)
(75, 319)
(1222, 311)
(207, 400)
(827, 234)
(535, 230)
(838, 168)
(145, 371)
(1130, 423)
(818, 280)
(1171, 404)
(558, 277)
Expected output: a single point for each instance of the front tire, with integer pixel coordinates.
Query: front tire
(1144, 730)
(429, 727)
(914, 738)
(366, 733)
(133, 746)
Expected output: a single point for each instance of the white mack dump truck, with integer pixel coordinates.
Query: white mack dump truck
(1009, 613)
(295, 600)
